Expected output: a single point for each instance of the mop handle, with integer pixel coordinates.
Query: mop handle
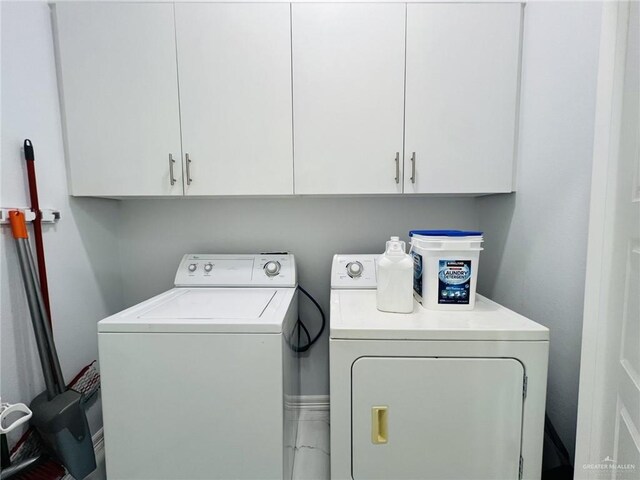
(37, 225)
(51, 370)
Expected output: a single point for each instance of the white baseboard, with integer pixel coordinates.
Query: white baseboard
(98, 441)
(311, 402)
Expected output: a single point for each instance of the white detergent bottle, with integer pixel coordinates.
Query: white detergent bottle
(395, 279)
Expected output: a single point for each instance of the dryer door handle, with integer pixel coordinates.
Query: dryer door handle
(379, 430)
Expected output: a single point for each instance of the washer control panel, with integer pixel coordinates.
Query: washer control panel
(255, 270)
(354, 271)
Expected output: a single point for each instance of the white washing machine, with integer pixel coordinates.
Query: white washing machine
(432, 394)
(196, 381)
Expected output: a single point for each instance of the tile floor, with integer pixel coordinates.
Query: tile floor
(311, 460)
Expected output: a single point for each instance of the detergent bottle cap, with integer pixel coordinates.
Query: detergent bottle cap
(395, 247)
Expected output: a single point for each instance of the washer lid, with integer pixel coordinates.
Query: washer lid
(354, 316)
(206, 310)
(213, 304)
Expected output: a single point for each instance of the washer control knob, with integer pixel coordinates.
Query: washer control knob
(208, 267)
(354, 269)
(272, 268)
(192, 267)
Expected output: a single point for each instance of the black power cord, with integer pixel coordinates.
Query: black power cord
(302, 328)
(561, 449)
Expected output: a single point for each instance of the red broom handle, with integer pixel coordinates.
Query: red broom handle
(37, 224)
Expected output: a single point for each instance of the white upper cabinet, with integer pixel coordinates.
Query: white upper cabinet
(117, 65)
(348, 97)
(461, 97)
(234, 65)
(281, 99)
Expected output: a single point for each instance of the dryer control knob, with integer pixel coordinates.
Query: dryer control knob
(272, 268)
(354, 269)
(192, 267)
(208, 267)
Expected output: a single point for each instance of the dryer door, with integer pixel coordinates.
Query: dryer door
(436, 418)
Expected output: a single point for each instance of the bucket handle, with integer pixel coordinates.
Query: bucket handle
(7, 409)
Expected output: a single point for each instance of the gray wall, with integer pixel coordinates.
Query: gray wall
(535, 251)
(81, 250)
(156, 233)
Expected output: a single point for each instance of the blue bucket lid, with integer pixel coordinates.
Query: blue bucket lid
(445, 233)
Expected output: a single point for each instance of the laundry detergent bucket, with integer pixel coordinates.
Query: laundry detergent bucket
(445, 268)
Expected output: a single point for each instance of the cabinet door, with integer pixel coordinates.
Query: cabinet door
(119, 90)
(436, 418)
(234, 62)
(348, 87)
(462, 88)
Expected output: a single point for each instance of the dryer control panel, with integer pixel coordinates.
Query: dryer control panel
(354, 271)
(254, 270)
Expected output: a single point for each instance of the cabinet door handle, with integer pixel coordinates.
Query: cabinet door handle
(413, 167)
(172, 178)
(379, 430)
(397, 167)
(188, 161)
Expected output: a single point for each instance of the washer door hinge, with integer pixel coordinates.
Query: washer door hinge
(520, 469)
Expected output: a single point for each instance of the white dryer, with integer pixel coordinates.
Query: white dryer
(196, 381)
(429, 394)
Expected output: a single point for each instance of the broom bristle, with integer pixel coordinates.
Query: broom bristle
(49, 470)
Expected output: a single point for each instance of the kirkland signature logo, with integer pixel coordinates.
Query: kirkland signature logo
(455, 273)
